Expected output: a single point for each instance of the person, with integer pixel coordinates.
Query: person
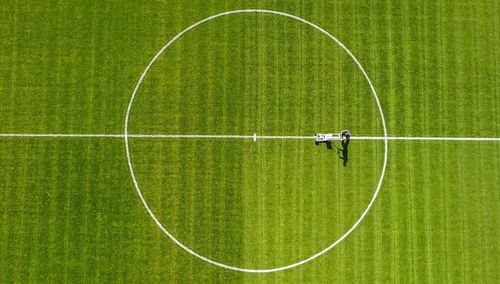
(346, 135)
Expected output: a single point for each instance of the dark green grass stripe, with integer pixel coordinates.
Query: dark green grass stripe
(447, 215)
(454, 219)
(315, 105)
(412, 232)
(279, 147)
(177, 153)
(443, 216)
(54, 191)
(89, 175)
(298, 124)
(425, 205)
(476, 259)
(391, 108)
(463, 224)
(56, 233)
(481, 257)
(72, 237)
(22, 227)
(427, 124)
(358, 268)
(494, 221)
(259, 108)
(8, 228)
(39, 204)
(464, 91)
(375, 240)
(441, 83)
(267, 245)
(246, 88)
(490, 221)
(444, 81)
(405, 253)
(321, 87)
(298, 202)
(437, 36)
(221, 206)
(494, 58)
(192, 177)
(88, 178)
(70, 201)
(6, 162)
(233, 203)
(481, 73)
(208, 101)
(14, 67)
(158, 237)
(284, 86)
(97, 204)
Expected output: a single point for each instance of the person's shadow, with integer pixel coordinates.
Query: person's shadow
(345, 152)
(342, 153)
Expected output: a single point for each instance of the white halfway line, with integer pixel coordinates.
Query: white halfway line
(254, 137)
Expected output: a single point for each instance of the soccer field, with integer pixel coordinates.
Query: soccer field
(169, 141)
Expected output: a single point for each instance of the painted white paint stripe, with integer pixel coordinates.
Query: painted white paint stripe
(285, 137)
(203, 136)
(410, 138)
(59, 135)
(254, 137)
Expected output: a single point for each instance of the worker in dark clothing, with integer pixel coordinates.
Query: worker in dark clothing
(346, 135)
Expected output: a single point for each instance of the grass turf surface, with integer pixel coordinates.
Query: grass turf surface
(68, 208)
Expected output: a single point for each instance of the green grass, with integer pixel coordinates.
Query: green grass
(68, 208)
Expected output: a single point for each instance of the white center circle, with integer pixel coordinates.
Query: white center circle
(153, 216)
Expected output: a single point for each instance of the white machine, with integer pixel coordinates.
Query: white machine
(329, 138)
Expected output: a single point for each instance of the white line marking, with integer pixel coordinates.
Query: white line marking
(186, 248)
(59, 135)
(254, 137)
(202, 136)
(409, 138)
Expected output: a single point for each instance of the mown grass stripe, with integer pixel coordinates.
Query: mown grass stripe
(389, 37)
(209, 207)
(356, 266)
(448, 82)
(441, 92)
(5, 161)
(377, 241)
(476, 259)
(426, 78)
(463, 91)
(280, 148)
(89, 179)
(411, 232)
(9, 228)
